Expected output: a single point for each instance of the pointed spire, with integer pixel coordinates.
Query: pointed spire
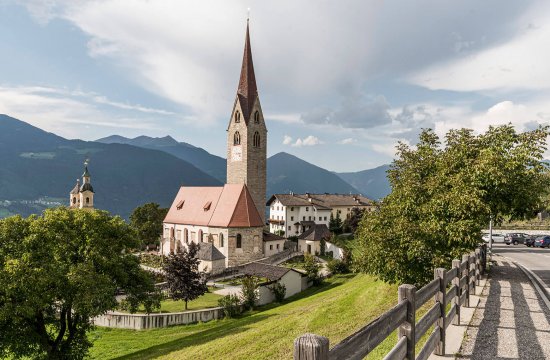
(247, 90)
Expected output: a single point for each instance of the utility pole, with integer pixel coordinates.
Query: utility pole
(491, 238)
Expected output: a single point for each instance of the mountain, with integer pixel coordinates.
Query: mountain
(35, 164)
(372, 183)
(287, 173)
(213, 165)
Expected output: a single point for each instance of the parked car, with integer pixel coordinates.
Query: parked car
(515, 238)
(496, 238)
(542, 241)
(530, 241)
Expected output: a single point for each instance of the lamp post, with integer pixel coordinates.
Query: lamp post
(491, 238)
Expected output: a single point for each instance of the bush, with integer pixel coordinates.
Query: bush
(337, 266)
(279, 291)
(312, 269)
(248, 291)
(231, 305)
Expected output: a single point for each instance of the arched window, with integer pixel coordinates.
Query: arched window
(87, 200)
(200, 236)
(256, 141)
(186, 236)
(221, 239)
(256, 117)
(74, 200)
(237, 116)
(237, 138)
(239, 241)
(172, 232)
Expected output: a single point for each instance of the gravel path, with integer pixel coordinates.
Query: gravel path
(511, 321)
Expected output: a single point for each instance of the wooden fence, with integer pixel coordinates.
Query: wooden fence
(449, 286)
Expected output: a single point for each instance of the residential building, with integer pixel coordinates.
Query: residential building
(294, 214)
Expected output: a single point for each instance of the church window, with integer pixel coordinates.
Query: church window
(221, 240)
(178, 235)
(87, 200)
(186, 236)
(237, 116)
(239, 241)
(256, 139)
(237, 138)
(74, 200)
(256, 117)
(200, 235)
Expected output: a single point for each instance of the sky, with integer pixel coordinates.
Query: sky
(340, 82)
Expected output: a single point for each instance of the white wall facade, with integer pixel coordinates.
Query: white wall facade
(337, 253)
(273, 247)
(293, 214)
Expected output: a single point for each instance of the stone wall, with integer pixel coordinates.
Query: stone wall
(252, 245)
(153, 321)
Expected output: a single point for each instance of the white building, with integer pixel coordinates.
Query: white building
(296, 213)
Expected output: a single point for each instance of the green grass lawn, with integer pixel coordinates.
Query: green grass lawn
(208, 300)
(336, 309)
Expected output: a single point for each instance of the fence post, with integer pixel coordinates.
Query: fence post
(478, 266)
(311, 347)
(408, 292)
(471, 277)
(456, 282)
(465, 272)
(484, 259)
(439, 273)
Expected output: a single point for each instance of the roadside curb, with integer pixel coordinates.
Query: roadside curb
(537, 282)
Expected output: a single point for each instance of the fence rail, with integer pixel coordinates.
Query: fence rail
(452, 286)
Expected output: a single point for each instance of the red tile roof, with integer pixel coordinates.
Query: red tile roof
(230, 206)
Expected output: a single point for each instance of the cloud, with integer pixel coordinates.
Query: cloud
(307, 141)
(347, 141)
(287, 140)
(355, 112)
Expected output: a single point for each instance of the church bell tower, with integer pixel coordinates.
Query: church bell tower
(247, 135)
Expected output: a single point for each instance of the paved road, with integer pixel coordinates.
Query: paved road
(535, 259)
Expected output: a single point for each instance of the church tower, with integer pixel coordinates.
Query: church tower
(82, 197)
(247, 135)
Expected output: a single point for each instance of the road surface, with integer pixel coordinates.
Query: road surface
(535, 259)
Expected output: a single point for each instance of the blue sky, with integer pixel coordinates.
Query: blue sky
(340, 82)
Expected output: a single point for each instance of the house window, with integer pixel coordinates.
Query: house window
(304, 218)
(221, 239)
(87, 200)
(237, 117)
(237, 138)
(292, 208)
(289, 228)
(270, 247)
(292, 218)
(256, 139)
(273, 208)
(307, 208)
(310, 218)
(256, 117)
(325, 218)
(239, 241)
(277, 246)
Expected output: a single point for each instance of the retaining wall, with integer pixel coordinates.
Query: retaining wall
(152, 321)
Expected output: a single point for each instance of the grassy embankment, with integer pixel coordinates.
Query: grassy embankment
(336, 309)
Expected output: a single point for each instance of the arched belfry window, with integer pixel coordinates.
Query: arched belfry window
(256, 140)
(239, 241)
(257, 117)
(221, 239)
(237, 116)
(237, 138)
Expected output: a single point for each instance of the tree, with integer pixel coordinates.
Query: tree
(354, 218)
(443, 196)
(185, 281)
(57, 272)
(335, 223)
(312, 269)
(279, 291)
(248, 291)
(147, 222)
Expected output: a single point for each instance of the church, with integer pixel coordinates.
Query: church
(229, 221)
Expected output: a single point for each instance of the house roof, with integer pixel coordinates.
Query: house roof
(227, 206)
(76, 189)
(272, 237)
(247, 91)
(321, 201)
(208, 252)
(316, 233)
(270, 272)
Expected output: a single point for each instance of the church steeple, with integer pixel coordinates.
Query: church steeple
(247, 90)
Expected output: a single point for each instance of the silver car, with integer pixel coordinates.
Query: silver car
(497, 238)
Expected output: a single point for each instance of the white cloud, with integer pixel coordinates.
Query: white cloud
(347, 141)
(307, 141)
(287, 140)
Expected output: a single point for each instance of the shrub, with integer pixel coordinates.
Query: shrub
(337, 266)
(248, 291)
(279, 291)
(312, 269)
(231, 305)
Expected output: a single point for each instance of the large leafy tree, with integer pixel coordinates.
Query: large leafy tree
(147, 222)
(57, 272)
(185, 281)
(443, 195)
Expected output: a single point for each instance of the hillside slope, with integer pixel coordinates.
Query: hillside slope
(37, 164)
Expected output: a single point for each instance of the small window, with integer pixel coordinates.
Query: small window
(87, 200)
(221, 240)
(307, 208)
(277, 246)
(292, 218)
(239, 241)
(237, 138)
(289, 228)
(237, 117)
(180, 204)
(272, 207)
(186, 236)
(270, 247)
(200, 235)
(325, 218)
(256, 117)
(291, 208)
(74, 200)
(310, 218)
(304, 218)
(256, 142)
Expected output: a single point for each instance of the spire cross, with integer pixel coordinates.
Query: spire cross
(248, 15)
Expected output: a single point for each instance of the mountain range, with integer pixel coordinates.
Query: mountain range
(38, 169)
